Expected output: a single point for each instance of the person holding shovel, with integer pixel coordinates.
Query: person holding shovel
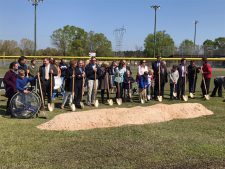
(182, 79)
(119, 78)
(104, 81)
(68, 84)
(93, 73)
(157, 68)
(79, 78)
(47, 72)
(207, 75)
(174, 76)
(192, 76)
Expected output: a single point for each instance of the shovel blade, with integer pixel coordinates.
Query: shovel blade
(73, 108)
(96, 103)
(82, 105)
(192, 95)
(142, 101)
(119, 101)
(160, 98)
(51, 107)
(207, 97)
(185, 98)
(110, 102)
(174, 94)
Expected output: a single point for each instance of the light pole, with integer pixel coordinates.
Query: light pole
(155, 7)
(196, 22)
(35, 4)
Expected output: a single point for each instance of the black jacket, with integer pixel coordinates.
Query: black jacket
(192, 72)
(42, 73)
(78, 81)
(90, 74)
(63, 67)
(126, 80)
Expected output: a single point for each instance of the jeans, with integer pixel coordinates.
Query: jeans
(67, 95)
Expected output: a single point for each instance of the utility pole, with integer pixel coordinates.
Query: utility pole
(35, 4)
(196, 22)
(155, 7)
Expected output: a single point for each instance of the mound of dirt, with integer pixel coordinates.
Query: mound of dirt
(114, 117)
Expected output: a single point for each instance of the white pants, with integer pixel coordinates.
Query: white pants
(91, 91)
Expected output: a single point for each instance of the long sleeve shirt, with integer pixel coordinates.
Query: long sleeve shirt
(174, 76)
(21, 84)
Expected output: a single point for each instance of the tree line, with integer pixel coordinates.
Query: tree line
(75, 41)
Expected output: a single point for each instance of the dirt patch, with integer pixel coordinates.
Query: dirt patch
(114, 117)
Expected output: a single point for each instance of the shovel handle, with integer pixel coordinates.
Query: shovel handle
(40, 87)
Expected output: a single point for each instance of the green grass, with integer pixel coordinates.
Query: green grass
(193, 143)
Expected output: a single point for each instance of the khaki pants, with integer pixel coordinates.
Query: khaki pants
(91, 91)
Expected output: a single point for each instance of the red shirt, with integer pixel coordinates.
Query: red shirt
(207, 70)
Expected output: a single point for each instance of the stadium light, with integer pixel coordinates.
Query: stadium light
(196, 22)
(35, 4)
(155, 7)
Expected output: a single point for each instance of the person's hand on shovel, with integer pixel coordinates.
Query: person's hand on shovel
(83, 74)
(26, 91)
(51, 71)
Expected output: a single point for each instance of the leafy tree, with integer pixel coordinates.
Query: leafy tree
(186, 47)
(70, 40)
(99, 43)
(209, 47)
(164, 44)
(9, 48)
(49, 52)
(26, 46)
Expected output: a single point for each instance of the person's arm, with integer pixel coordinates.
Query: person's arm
(18, 86)
(55, 70)
(139, 70)
(8, 80)
(31, 79)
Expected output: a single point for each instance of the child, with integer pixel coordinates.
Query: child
(149, 86)
(22, 82)
(128, 80)
(151, 75)
(143, 84)
(174, 76)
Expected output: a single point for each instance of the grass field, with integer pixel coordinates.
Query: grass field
(193, 143)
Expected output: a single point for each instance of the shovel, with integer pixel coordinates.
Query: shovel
(185, 97)
(110, 101)
(118, 100)
(192, 94)
(143, 96)
(206, 95)
(42, 97)
(160, 98)
(72, 106)
(174, 90)
(96, 103)
(51, 105)
(129, 93)
(82, 103)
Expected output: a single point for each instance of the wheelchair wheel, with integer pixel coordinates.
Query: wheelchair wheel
(25, 105)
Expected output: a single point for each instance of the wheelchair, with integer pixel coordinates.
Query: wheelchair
(25, 106)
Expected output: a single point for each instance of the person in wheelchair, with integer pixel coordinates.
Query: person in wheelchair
(22, 82)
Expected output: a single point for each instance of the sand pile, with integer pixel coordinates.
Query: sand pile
(114, 117)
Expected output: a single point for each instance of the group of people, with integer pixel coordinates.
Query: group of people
(89, 76)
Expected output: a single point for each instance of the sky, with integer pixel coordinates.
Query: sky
(176, 17)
